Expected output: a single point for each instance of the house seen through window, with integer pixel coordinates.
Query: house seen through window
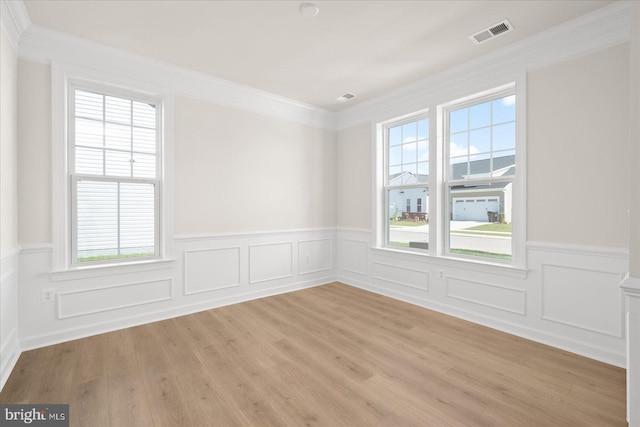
(475, 179)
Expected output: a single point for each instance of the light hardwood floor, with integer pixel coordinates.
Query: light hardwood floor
(332, 355)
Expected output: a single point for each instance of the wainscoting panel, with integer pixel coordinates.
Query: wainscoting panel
(9, 337)
(315, 256)
(401, 276)
(270, 262)
(567, 296)
(353, 256)
(91, 301)
(494, 296)
(583, 298)
(211, 269)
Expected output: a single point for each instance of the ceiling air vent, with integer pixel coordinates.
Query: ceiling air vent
(347, 96)
(491, 32)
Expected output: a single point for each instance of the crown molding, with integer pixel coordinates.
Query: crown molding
(44, 45)
(602, 28)
(14, 19)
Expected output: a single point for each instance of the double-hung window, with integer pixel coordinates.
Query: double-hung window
(407, 182)
(480, 147)
(114, 174)
(466, 162)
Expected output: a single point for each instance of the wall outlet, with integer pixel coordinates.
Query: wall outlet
(48, 295)
(441, 274)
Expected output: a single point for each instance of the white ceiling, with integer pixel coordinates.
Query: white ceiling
(363, 47)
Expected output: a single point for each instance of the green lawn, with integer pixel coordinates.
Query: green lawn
(492, 227)
(407, 223)
(107, 257)
(480, 253)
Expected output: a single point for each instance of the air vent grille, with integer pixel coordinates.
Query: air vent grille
(491, 32)
(346, 97)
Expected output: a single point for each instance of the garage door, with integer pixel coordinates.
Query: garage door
(474, 208)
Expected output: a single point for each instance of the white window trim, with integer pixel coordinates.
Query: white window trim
(61, 76)
(437, 199)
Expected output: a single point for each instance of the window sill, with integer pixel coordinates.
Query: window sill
(461, 263)
(87, 272)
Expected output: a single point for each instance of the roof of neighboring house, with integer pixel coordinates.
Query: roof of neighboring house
(503, 166)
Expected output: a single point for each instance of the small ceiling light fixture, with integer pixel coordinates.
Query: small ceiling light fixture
(309, 10)
(346, 97)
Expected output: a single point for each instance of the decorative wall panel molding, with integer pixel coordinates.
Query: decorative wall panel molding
(211, 269)
(270, 262)
(91, 301)
(353, 256)
(402, 276)
(315, 256)
(583, 298)
(494, 296)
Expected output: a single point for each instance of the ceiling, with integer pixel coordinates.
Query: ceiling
(363, 47)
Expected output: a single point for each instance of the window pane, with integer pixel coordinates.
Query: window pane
(408, 228)
(479, 165)
(144, 115)
(89, 133)
(423, 129)
(117, 110)
(504, 137)
(395, 155)
(480, 115)
(144, 140)
(504, 109)
(144, 165)
(118, 163)
(423, 171)
(89, 161)
(410, 132)
(137, 220)
(480, 224)
(480, 140)
(423, 151)
(459, 144)
(409, 152)
(97, 220)
(395, 136)
(458, 120)
(118, 137)
(504, 164)
(88, 105)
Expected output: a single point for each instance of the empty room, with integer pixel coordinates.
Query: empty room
(325, 213)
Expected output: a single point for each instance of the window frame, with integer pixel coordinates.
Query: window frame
(62, 77)
(387, 188)
(447, 180)
(75, 177)
(438, 203)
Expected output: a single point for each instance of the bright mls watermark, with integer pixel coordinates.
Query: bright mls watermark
(35, 415)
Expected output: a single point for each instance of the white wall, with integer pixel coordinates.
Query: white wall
(237, 171)
(353, 206)
(9, 340)
(34, 152)
(578, 130)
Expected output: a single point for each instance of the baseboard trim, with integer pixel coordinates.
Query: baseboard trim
(11, 347)
(43, 340)
(543, 337)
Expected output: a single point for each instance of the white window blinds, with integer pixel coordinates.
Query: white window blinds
(114, 177)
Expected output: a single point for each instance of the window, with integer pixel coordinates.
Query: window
(114, 170)
(480, 147)
(467, 161)
(406, 179)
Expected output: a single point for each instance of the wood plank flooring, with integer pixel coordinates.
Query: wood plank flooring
(332, 355)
